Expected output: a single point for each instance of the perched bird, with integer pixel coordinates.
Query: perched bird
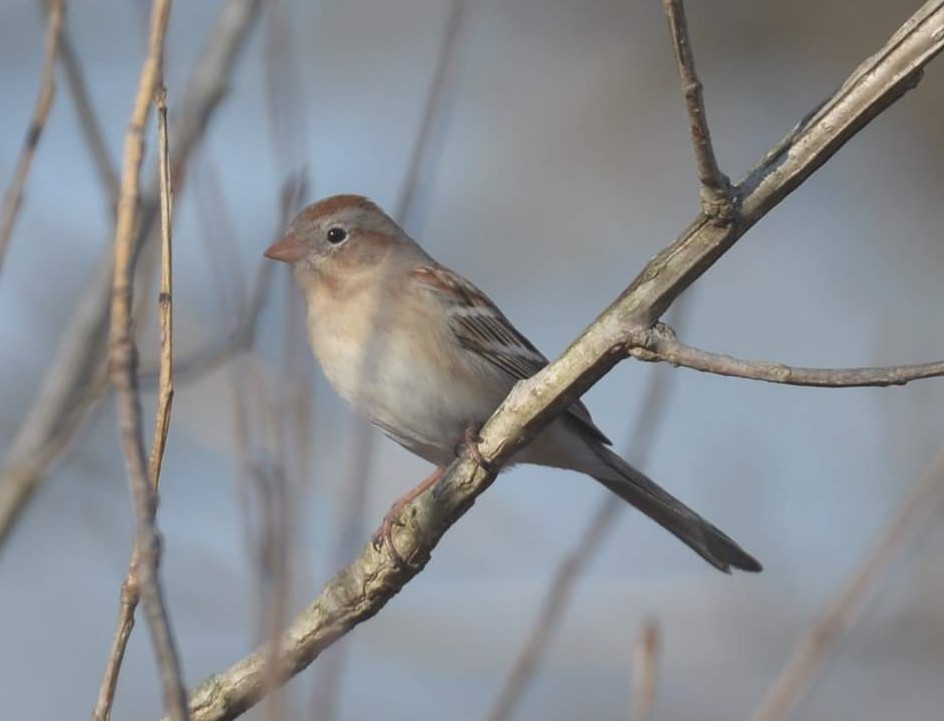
(425, 356)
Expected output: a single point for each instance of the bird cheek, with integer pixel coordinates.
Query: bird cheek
(290, 248)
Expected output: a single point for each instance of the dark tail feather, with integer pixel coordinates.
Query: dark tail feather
(702, 537)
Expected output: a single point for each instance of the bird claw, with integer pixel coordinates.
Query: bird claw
(471, 440)
(383, 537)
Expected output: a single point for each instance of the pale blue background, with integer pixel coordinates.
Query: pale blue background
(564, 167)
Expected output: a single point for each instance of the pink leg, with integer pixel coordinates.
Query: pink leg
(384, 533)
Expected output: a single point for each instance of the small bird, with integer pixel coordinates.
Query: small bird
(426, 357)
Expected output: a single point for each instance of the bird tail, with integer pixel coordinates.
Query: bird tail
(698, 534)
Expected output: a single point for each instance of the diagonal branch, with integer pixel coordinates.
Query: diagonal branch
(13, 198)
(661, 344)
(359, 591)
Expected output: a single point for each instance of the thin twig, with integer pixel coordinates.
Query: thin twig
(63, 398)
(650, 418)
(195, 364)
(824, 635)
(661, 344)
(292, 398)
(165, 389)
(88, 120)
(358, 591)
(434, 112)
(13, 198)
(645, 667)
(123, 370)
(716, 195)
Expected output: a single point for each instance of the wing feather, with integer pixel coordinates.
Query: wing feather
(482, 328)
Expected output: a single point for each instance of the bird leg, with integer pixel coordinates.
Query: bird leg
(384, 534)
(471, 440)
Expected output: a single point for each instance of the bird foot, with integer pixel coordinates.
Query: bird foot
(384, 535)
(471, 440)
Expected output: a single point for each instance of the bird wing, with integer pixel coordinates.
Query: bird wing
(483, 329)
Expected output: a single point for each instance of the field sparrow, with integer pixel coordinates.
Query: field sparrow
(425, 356)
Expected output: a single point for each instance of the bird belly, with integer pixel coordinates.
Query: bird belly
(421, 390)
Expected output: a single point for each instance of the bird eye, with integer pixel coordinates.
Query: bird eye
(336, 235)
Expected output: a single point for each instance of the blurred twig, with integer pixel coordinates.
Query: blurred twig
(358, 591)
(88, 120)
(13, 197)
(122, 360)
(434, 113)
(645, 666)
(64, 396)
(823, 636)
(649, 420)
(291, 398)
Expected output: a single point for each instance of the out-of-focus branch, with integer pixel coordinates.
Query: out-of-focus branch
(88, 120)
(360, 590)
(13, 197)
(122, 361)
(715, 187)
(824, 635)
(291, 399)
(645, 667)
(434, 112)
(649, 422)
(63, 398)
(661, 344)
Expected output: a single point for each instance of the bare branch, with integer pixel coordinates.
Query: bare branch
(63, 398)
(13, 198)
(716, 198)
(823, 636)
(123, 370)
(360, 590)
(645, 666)
(661, 344)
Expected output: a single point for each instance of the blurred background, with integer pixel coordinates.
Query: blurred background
(555, 164)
